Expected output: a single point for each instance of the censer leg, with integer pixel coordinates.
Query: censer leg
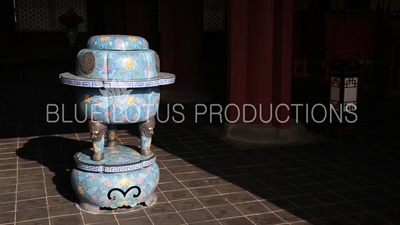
(146, 133)
(111, 135)
(151, 200)
(97, 131)
(89, 208)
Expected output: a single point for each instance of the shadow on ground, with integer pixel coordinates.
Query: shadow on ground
(56, 154)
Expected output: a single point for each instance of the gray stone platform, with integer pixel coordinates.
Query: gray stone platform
(265, 133)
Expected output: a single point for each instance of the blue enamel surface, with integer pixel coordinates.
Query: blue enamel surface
(118, 106)
(117, 83)
(118, 159)
(117, 42)
(94, 188)
(121, 65)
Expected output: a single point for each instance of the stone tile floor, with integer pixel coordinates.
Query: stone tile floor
(203, 179)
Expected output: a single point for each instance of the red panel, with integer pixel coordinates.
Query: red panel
(349, 38)
(179, 30)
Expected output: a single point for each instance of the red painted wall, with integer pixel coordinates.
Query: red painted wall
(348, 38)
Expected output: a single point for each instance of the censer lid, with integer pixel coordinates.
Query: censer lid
(117, 42)
(117, 61)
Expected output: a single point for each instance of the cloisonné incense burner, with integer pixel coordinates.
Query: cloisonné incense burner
(117, 82)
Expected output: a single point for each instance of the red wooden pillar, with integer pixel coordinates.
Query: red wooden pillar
(250, 59)
(260, 59)
(237, 53)
(283, 30)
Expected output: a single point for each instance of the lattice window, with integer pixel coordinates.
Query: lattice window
(214, 15)
(32, 14)
(391, 6)
(62, 6)
(42, 15)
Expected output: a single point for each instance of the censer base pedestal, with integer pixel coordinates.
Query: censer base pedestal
(123, 182)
